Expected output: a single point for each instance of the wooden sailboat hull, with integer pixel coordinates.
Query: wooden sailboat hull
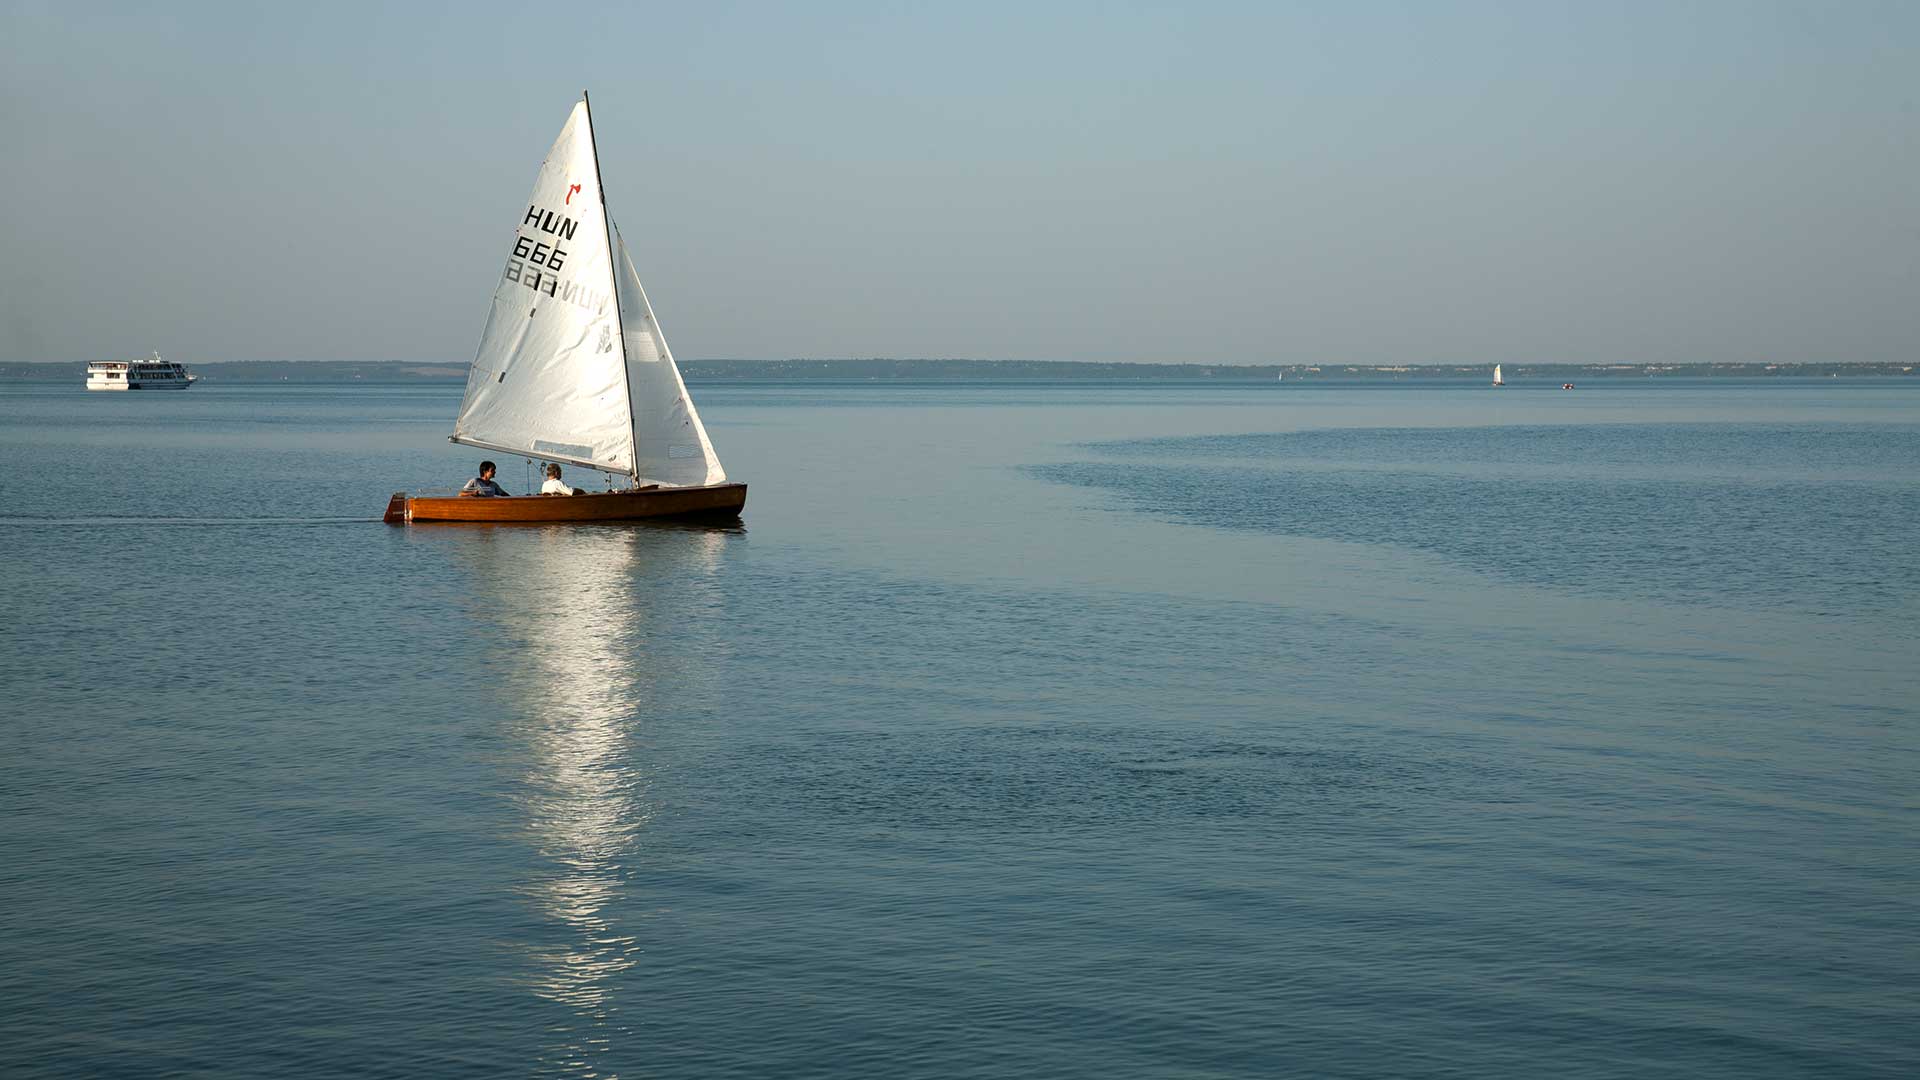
(712, 501)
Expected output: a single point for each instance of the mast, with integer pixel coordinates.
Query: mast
(613, 279)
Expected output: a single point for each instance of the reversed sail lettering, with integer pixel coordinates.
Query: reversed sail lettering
(535, 266)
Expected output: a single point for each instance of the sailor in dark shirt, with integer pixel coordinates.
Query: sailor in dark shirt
(483, 484)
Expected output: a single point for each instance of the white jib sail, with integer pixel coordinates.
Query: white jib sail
(670, 442)
(549, 380)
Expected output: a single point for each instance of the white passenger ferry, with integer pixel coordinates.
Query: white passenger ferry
(154, 374)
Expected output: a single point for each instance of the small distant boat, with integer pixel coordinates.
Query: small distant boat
(154, 374)
(1566, 386)
(573, 369)
(1497, 380)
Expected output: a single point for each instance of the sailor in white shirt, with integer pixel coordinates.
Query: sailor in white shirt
(555, 485)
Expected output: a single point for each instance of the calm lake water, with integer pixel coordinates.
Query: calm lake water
(1070, 731)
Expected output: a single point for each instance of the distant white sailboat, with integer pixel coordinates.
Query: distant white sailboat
(1497, 380)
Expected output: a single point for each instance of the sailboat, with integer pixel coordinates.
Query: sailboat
(573, 369)
(1497, 380)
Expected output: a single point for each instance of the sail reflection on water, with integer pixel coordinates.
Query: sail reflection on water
(597, 619)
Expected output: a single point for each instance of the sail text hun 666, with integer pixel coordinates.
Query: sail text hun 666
(537, 264)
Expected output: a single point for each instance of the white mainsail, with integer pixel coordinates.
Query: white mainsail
(572, 366)
(1497, 380)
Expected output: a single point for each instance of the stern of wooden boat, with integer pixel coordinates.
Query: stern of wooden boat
(396, 509)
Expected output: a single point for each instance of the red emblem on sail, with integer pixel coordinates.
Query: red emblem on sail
(571, 192)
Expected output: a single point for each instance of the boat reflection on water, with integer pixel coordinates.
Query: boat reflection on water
(596, 618)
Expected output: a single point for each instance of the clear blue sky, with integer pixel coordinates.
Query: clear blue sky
(1370, 183)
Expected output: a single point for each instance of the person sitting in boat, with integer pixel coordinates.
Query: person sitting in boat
(555, 485)
(483, 484)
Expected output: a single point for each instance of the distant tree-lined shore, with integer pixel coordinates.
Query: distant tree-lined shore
(892, 370)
